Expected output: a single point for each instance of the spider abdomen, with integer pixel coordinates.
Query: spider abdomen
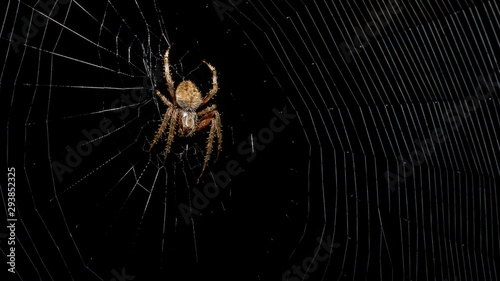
(188, 96)
(188, 122)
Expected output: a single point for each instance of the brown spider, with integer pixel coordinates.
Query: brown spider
(182, 112)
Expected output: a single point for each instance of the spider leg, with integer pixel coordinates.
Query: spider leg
(215, 131)
(162, 127)
(218, 130)
(168, 76)
(215, 85)
(207, 110)
(170, 138)
(164, 99)
(206, 113)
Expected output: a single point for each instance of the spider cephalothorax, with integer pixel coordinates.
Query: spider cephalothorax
(182, 116)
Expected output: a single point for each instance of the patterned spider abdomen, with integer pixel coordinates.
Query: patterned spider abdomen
(188, 96)
(188, 122)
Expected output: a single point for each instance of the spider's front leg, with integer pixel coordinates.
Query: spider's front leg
(163, 99)
(215, 85)
(168, 76)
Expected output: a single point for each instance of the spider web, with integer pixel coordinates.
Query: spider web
(322, 116)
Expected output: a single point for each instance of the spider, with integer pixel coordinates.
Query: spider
(182, 116)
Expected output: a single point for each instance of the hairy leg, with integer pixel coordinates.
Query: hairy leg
(162, 127)
(171, 132)
(163, 99)
(215, 131)
(207, 110)
(218, 130)
(215, 85)
(168, 76)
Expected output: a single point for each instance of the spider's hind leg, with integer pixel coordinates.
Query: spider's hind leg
(213, 119)
(163, 126)
(171, 133)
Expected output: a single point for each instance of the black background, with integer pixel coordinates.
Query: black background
(315, 178)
